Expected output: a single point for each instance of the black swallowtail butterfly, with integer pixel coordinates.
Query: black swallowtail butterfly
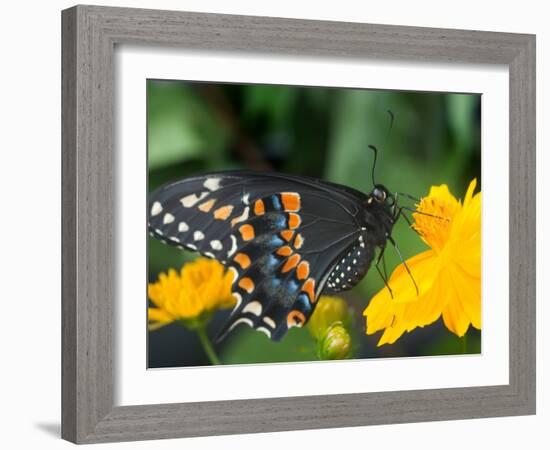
(286, 238)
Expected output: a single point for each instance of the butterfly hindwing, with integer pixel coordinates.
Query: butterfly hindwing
(279, 235)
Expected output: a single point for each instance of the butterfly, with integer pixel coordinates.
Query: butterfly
(285, 238)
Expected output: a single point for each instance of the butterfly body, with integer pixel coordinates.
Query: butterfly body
(285, 238)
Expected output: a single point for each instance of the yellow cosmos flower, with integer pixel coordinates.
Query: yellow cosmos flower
(448, 275)
(200, 287)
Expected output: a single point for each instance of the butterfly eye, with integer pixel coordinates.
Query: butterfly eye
(379, 194)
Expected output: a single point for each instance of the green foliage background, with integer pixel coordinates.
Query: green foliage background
(321, 132)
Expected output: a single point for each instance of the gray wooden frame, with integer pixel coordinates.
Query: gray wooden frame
(89, 35)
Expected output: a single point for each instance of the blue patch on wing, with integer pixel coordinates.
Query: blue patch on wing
(303, 304)
(276, 202)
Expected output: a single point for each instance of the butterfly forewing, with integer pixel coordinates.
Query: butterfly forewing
(279, 235)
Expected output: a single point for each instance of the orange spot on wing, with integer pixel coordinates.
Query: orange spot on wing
(291, 262)
(287, 235)
(295, 318)
(294, 220)
(309, 288)
(247, 232)
(291, 201)
(242, 259)
(223, 213)
(303, 270)
(247, 284)
(284, 251)
(259, 207)
(207, 206)
(298, 242)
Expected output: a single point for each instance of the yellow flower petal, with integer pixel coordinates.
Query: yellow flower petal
(455, 318)
(158, 318)
(391, 334)
(469, 295)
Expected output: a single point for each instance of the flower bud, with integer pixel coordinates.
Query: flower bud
(328, 310)
(336, 343)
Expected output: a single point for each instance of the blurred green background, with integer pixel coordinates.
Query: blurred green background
(320, 132)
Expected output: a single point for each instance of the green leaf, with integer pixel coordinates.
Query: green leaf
(181, 126)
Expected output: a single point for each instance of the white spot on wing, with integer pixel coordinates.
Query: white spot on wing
(156, 209)
(265, 331)
(238, 298)
(183, 227)
(254, 307)
(269, 321)
(242, 217)
(233, 272)
(168, 218)
(192, 199)
(246, 199)
(216, 245)
(198, 235)
(241, 320)
(233, 246)
(191, 246)
(212, 184)
(173, 238)
(210, 255)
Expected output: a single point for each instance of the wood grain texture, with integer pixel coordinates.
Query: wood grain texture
(68, 224)
(89, 36)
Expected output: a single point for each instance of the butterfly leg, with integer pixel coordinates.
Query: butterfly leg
(384, 266)
(397, 211)
(384, 274)
(401, 213)
(385, 280)
(404, 263)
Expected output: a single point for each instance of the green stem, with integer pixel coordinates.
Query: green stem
(207, 346)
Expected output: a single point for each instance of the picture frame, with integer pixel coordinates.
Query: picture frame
(89, 37)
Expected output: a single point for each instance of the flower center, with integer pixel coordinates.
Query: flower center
(434, 222)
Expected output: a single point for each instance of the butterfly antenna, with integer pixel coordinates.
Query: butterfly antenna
(375, 150)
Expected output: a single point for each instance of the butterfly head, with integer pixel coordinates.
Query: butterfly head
(380, 195)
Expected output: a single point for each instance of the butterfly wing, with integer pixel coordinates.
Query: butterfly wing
(279, 235)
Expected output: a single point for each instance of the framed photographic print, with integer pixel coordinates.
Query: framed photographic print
(295, 208)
